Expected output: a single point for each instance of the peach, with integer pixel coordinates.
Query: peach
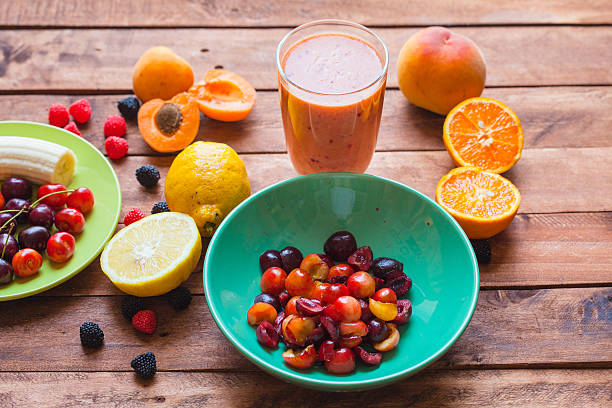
(161, 74)
(438, 68)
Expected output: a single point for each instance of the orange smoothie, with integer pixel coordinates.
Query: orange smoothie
(331, 102)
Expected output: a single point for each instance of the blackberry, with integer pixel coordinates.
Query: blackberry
(179, 298)
(145, 365)
(482, 248)
(91, 335)
(129, 107)
(147, 175)
(162, 206)
(130, 306)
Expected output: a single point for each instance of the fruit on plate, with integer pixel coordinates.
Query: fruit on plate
(160, 73)
(60, 247)
(484, 133)
(39, 161)
(483, 203)
(224, 95)
(438, 68)
(206, 180)
(169, 125)
(26, 262)
(154, 255)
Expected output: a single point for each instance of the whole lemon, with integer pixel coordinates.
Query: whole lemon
(206, 181)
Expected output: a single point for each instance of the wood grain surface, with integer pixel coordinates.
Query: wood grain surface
(549, 250)
(220, 13)
(432, 388)
(541, 192)
(102, 60)
(540, 336)
(510, 328)
(550, 116)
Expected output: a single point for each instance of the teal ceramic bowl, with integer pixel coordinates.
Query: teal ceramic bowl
(394, 220)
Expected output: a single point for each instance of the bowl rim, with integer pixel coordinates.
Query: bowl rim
(297, 377)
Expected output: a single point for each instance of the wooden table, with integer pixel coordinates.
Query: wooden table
(542, 331)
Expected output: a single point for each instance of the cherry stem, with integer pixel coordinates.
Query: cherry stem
(8, 234)
(22, 210)
(35, 203)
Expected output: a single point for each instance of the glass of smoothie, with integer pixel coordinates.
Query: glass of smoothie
(332, 76)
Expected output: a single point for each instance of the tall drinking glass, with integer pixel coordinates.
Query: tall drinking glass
(331, 80)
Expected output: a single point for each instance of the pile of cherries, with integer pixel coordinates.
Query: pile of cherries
(26, 225)
(331, 313)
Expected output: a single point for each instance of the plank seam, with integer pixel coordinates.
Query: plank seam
(275, 27)
(101, 92)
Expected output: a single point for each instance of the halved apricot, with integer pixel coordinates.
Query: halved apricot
(169, 126)
(224, 95)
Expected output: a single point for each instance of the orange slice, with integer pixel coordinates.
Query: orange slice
(223, 95)
(484, 133)
(483, 203)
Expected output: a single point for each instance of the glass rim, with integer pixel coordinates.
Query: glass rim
(338, 22)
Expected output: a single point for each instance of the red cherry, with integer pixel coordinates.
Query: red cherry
(60, 247)
(26, 262)
(81, 199)
(273, 281)
(342, 361)
(385, 295)
(361, 285)
(69, 220)
(56, 201)
(348, 309)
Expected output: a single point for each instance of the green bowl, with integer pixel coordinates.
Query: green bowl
(394, 220)
(96, 173)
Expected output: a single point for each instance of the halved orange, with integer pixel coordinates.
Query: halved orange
(483, 203)
(224, 95)
(483, 133)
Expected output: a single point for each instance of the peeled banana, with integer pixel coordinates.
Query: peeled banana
(39, 161)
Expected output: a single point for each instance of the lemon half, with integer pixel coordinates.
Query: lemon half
(154, 255)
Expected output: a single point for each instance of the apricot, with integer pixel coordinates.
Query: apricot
(169, 126)
(161, 74)
(223, 95)
(438, 68)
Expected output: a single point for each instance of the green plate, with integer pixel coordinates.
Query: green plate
(394, 220)
(93, 171)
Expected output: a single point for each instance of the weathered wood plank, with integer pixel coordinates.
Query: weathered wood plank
(536, 250)
(441, 388)
(264, 13)
(555, 327)
(551, 117)
(550, 180)
(103, 59)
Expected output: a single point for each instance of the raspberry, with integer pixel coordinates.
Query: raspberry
(81, 110)
(145, 365)
(91, 335)
(72, 127)
(58, 115)
(133, 215)
(114, 126)
(145, 321)
(129, 107)
(147, 175)
(116, 147)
